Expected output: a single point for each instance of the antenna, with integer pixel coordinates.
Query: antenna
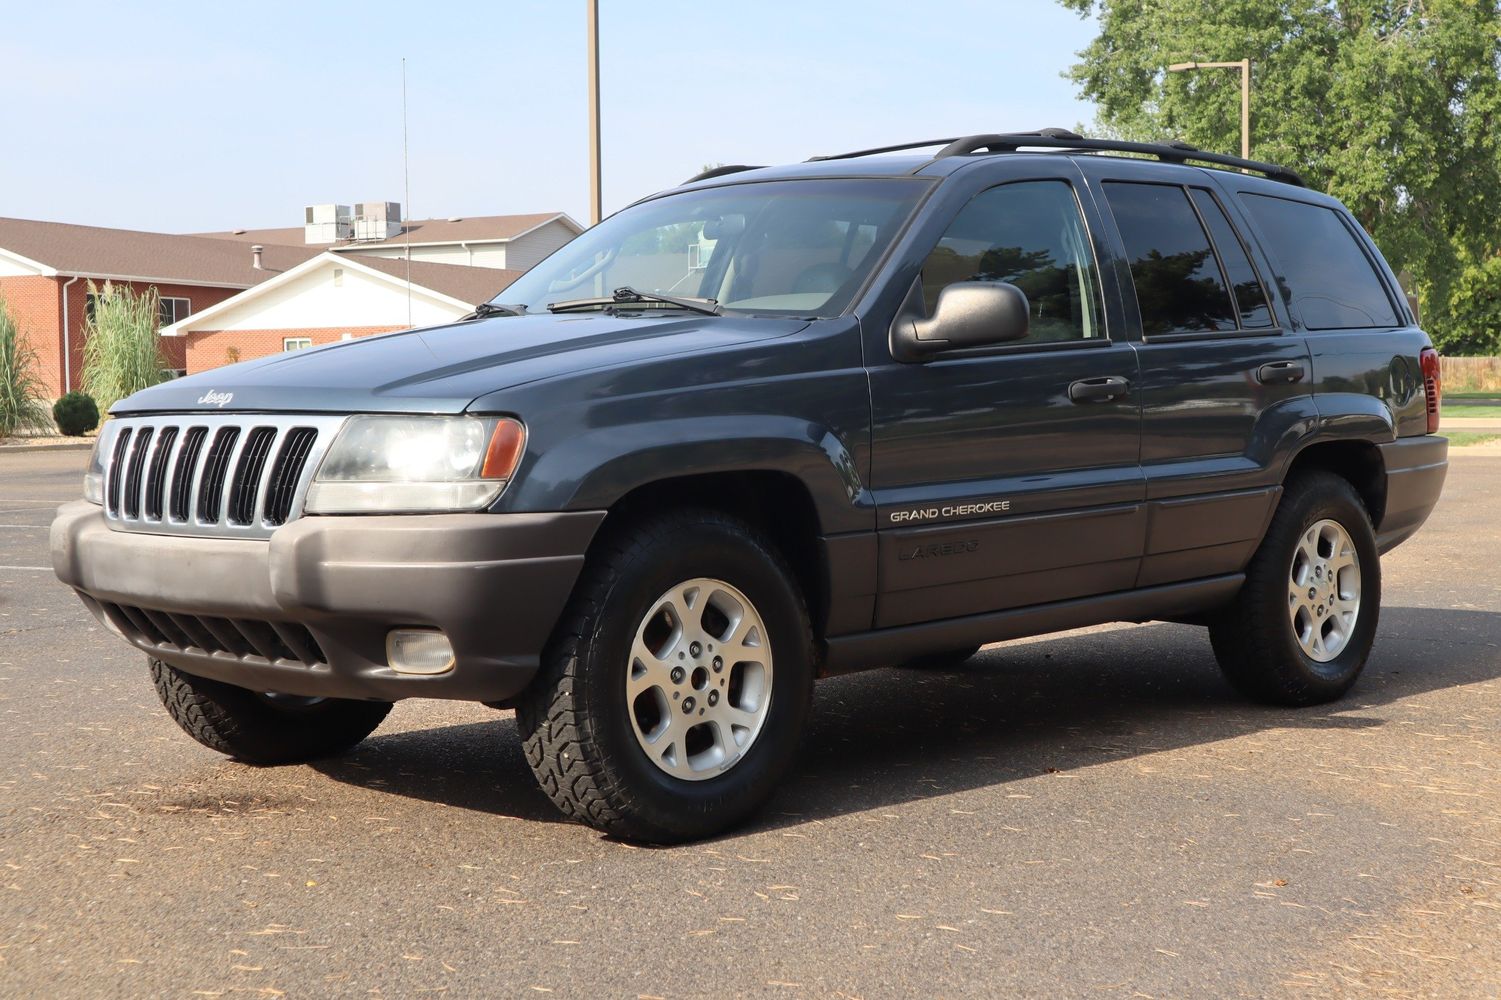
(406, 185)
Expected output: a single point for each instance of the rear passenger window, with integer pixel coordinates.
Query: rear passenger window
(1179, 285)
(1330, 282)
(1031, 235)
(1245, 286)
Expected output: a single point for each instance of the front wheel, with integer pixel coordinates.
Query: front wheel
(260, 728)
(672, 698)
(1302, 627)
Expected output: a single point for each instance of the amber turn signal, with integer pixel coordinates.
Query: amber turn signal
(507, 443)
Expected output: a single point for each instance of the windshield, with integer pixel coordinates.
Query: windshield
(800, 248)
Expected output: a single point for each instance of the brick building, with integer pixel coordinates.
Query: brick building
(45, 268)
(328, 298)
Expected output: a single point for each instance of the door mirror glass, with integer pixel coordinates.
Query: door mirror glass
(967, 314)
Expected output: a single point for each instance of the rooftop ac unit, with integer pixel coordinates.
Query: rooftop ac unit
(327, 223)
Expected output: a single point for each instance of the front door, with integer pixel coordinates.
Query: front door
(1010, 476)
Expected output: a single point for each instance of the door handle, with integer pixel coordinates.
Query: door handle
(1098, 390)
(1281, 371)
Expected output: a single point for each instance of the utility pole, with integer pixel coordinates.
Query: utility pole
(1244, 65)
(596, 198)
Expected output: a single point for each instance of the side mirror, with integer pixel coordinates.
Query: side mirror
(968, 314)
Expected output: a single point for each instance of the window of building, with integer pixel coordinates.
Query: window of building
(296, 343)
(1029, 234)
(174, 309)
(1179, 285)
(1329, 280)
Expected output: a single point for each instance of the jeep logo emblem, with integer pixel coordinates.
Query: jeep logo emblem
(212, 398)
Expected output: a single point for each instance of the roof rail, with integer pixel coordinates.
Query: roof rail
(1058, 138)
(721, 170)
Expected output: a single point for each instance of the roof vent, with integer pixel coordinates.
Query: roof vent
(255, 256)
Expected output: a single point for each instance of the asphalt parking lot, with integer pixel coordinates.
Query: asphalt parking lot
(1092, 815)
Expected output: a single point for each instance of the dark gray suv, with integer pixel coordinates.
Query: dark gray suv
(776, 424)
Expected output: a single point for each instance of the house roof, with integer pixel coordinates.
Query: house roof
(467, 284)
(471, 229)
(456, 285)
(127, 254)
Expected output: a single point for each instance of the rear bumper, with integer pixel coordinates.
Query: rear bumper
(1415, 471)
(494, 583)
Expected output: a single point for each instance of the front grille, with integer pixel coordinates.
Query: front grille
(232, 475)
(246, 639)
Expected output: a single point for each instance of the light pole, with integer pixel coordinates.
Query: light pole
(1244, 65)
(596, 202)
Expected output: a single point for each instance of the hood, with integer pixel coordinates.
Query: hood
(442, 369)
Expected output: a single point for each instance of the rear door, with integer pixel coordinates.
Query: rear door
(999, 482)
(1225, 380)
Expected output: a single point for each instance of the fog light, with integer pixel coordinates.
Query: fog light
(418, 651)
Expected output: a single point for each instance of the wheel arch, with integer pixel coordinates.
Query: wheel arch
(775, 502)
(1355, 460)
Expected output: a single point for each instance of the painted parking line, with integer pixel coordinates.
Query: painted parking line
(29, 569)
(25, 527)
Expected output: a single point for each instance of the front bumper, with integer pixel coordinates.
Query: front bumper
(1415, 471)
(242, 611)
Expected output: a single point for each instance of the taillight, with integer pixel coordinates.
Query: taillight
(1433, 386)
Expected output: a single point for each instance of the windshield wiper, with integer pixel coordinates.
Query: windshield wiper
(626, 295)
(485, 309)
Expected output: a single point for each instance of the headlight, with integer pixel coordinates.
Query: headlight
(392, 464)
(93, 476)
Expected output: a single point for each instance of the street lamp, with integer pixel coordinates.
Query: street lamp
(596, 197)
(1244, 65)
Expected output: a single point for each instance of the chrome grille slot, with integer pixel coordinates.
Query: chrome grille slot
(245, 488)
(156, 479)
(184, 471)
(215, 467)
(229, 475)
(286, 473)
(116, 471)
(130, 501)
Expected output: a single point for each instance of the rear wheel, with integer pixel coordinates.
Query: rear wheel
(672, 698)
(1302, 627)
(263, 728)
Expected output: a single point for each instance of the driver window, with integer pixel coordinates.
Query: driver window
(1031, 235)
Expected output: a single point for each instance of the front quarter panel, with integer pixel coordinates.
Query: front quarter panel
(797, 405)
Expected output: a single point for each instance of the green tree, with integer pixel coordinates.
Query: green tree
(1392, 106)
(122, 351)
(21, 390)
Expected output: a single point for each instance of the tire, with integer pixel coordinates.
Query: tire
(945, 660)
(1268, 648)
(607, 683)
(263, 729)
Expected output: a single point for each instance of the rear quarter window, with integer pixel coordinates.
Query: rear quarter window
(1329, 281)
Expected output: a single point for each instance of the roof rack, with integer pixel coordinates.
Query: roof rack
(1058, 138)
(721, 170)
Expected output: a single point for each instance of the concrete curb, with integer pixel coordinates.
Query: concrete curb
(17, 449)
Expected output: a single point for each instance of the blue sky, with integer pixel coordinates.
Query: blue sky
(226, 115)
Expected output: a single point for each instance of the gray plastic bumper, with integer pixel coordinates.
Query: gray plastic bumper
(494, 583)
(1415, 472)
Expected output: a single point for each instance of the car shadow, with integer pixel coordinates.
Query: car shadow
(888, 737)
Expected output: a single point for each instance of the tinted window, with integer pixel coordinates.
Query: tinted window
(1031, 235)
(1327, 277)
(1250, 297)
(1178, 282)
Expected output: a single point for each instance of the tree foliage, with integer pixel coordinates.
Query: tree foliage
(1392, 106)
(122, 351)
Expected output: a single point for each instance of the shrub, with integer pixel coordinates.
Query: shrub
(75, 414)
(121, 350)
(21, 392)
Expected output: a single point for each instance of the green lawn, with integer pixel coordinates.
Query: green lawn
(1492, 412)
(1460, 439)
